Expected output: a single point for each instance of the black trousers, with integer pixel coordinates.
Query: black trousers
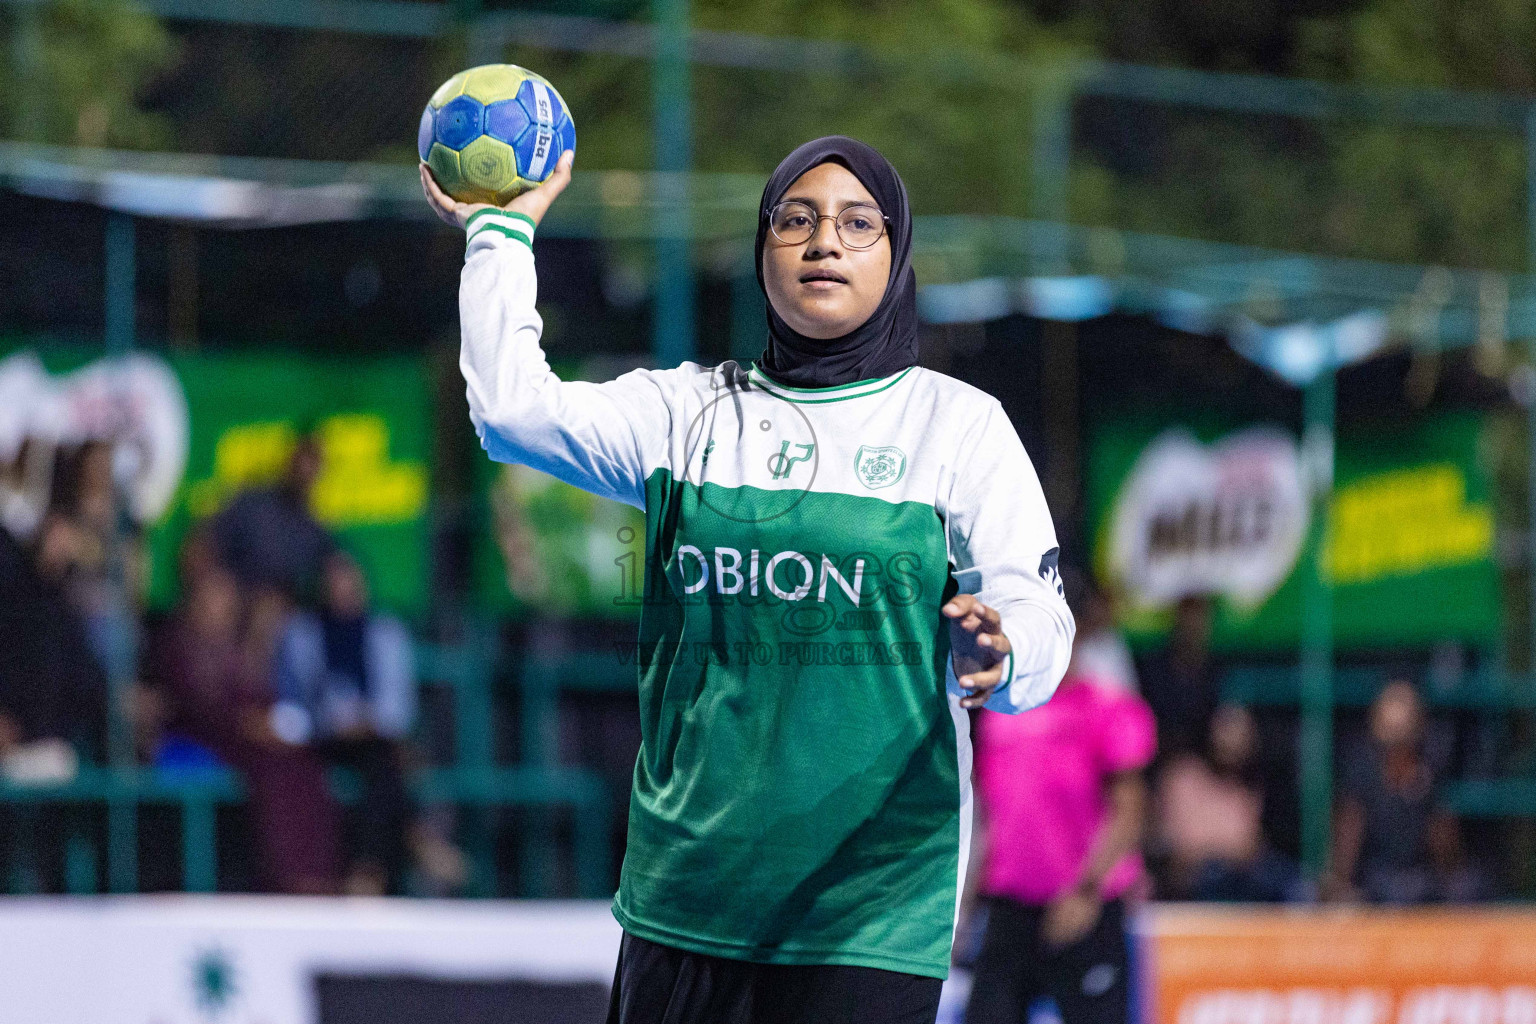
(1088, 979)
(656, 984)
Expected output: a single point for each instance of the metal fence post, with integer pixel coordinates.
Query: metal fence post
(749, 329)
(1316, 741)
(122, 810)
(1530, 408)
(672, 330)
(1051, 158)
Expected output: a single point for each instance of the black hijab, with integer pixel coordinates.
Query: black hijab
(884, 344)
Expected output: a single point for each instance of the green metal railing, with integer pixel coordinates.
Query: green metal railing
(474, 784)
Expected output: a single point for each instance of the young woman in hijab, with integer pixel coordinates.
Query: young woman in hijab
(844, 552)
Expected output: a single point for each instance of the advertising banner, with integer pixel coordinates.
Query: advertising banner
(1245, 965)
(1409, 550)
(549, 549)
(373, 418)
(195, 429)
(310, 960)
(553, 549)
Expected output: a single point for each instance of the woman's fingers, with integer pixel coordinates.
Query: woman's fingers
(984, 627)
(980, 685)
(447, 208)
(536, 201)
(441, 204)
(994, 642)
(959, 605)
(973, 616)
(562, 176)
(533, 204)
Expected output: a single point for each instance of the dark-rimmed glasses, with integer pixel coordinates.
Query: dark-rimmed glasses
(859, 226)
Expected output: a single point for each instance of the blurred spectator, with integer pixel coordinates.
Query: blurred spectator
(220, 697)
(53, 695)
(1210, 812)
(1100, 650)
(268, 537)
(1180, 683)
(1393, 843)
(26, 477)
(1061, 800)
(347, 687)
(96, 551)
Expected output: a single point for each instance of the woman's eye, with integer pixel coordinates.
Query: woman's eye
(860, 223)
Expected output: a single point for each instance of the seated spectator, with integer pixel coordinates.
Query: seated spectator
(348, 689)
(268, 537)
(1059, 820)
(1100, 650)
(53, 695)
(1393, 842)
(98, 554)
(1180, 681)
(219, 696)
(26, 476)
(1210, 811)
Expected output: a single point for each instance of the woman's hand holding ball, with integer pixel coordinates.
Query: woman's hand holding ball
(532, 204)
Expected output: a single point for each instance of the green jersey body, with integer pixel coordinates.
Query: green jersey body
(802, 792)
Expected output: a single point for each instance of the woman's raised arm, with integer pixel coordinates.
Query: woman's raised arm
(603, 438)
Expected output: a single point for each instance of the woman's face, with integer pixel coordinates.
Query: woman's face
(821, 287)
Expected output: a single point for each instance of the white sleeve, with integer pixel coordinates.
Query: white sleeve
(1004, 549)
(599, 437)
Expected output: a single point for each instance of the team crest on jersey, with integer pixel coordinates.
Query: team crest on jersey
(879, 467)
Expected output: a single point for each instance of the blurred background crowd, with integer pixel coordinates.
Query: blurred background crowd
(274, 663)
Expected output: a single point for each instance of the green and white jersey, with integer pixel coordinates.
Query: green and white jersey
(802, 793)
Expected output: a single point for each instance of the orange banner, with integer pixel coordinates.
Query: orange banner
(1245, 965)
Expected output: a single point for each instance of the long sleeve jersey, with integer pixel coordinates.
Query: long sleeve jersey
(802, 791)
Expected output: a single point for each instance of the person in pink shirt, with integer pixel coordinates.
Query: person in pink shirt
(1061, 800)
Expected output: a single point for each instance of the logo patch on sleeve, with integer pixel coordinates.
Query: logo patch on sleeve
(1050, 568)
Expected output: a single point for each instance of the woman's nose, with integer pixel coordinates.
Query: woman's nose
(824, 240)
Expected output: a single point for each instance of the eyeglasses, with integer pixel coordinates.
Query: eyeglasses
(859, 226)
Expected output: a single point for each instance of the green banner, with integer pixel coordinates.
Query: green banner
(1221, 511)
(550, 549)
(546, 548)
(373, 418)
(202, 427)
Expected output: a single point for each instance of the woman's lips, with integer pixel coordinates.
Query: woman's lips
(822, 279)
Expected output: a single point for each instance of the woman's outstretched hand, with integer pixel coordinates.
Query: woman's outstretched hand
(978, 647)
(534, 203)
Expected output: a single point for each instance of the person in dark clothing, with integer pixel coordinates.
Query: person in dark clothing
(1180, 684)
(53, 703)
(51, 688)
(101, 566)
(220, 696)
(347, 687)
(1393, 842)
(269, 538)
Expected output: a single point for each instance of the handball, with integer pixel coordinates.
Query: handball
(493, 132)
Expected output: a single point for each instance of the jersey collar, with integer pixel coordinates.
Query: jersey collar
(836, 393)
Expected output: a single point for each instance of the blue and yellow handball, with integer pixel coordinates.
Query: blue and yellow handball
(493, 132)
